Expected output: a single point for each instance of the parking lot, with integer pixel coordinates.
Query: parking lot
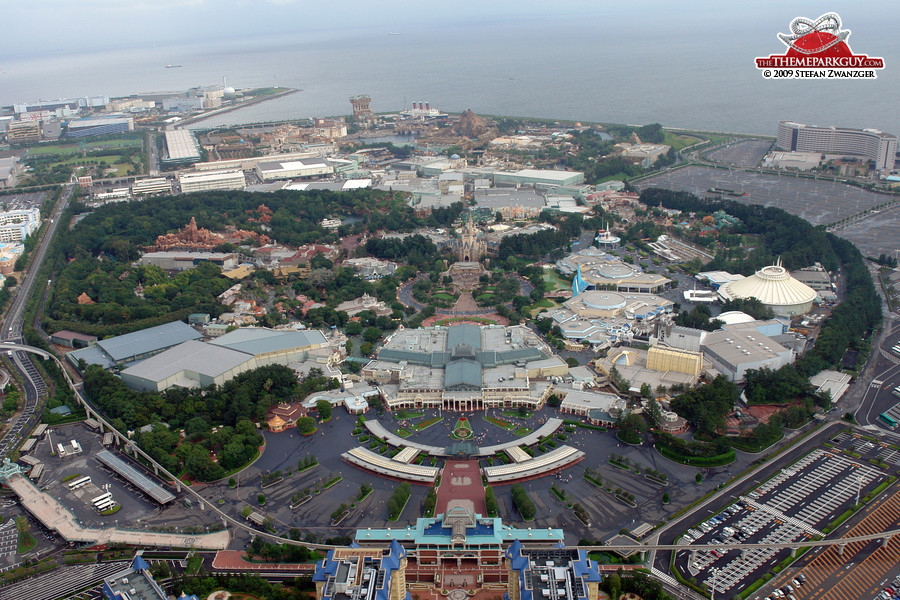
(876, 233)
(9, 539)
(24, 201)
(744, 153)
(795, 504)
(819, 202)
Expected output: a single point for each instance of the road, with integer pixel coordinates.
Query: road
(12, 331)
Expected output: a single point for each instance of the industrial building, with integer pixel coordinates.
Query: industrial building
(130, 347)
(775, 288)
(874, 145)
(207, 181)
(9, 170)
(538, 178)
(151, 186)
(106, 125)
(182, 148)
(197, 364)
(188, 365)
(23, 131)
(271, 347)
(183, 261)
(294, 169)
(465, 367)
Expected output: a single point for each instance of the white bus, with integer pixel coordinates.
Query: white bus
(105, 505)
(78, 483)
(101, 498)
(896, 391)
(75, 447)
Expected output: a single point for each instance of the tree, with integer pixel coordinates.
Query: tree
(323, 407)
(366, 348)
(371, 334)
(699, 477)
(306, 425)
(665, 498)
(261, 499)
(231, 482)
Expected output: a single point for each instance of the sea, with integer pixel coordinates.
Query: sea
(693, 73)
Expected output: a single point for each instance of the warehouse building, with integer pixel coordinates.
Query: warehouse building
(188, 365)
(295, 169)
(270, 347)
(183, 261)
(182, 148)
(123, 349)
(207, 181)
(99, 126)
(151, 186)
(538, 178)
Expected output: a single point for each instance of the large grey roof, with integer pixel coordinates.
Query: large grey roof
(462, 374)
(192, 355)
(464, 333)
(259, 340)
(124, 469)
(92, 355)
(123, 347)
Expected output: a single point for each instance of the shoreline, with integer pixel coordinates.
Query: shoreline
(227, 109)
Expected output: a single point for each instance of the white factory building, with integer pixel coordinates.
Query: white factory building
(294, 169)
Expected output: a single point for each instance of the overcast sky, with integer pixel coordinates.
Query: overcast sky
(49, 26)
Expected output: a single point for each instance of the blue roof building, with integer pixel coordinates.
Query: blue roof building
(134, 583)
(557, 573)
(356, 573)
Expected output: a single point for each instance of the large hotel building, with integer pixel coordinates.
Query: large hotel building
(873, 144)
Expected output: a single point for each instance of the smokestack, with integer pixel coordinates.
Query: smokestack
(427, 106)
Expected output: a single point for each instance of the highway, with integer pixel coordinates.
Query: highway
(12, 331)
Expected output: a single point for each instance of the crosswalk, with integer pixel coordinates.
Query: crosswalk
(781, 516)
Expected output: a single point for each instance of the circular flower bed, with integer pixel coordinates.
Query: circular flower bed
(463, 433)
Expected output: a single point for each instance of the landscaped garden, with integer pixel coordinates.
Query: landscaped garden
(462, 430)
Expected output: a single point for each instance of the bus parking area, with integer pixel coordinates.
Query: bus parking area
(798, 503)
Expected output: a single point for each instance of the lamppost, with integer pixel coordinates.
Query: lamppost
(859, 481)
(712, 589)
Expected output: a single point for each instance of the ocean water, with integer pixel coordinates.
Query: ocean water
(696, 74)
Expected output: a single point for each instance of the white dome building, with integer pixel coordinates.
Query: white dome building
(774, 287)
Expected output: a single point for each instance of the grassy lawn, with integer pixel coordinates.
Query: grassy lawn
(544, 304)
(443, 297)
(679, 141)
(193, 565)
(555, 282)
(500, 423)
(404, 433)
(26, 542)
(523, 431)
(462, 430)
(426, 424)
(514, 413)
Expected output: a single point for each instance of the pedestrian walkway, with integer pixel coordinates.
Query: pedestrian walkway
(55, 517)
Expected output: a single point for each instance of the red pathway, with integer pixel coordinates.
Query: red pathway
(461, 480)
(233, 560)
